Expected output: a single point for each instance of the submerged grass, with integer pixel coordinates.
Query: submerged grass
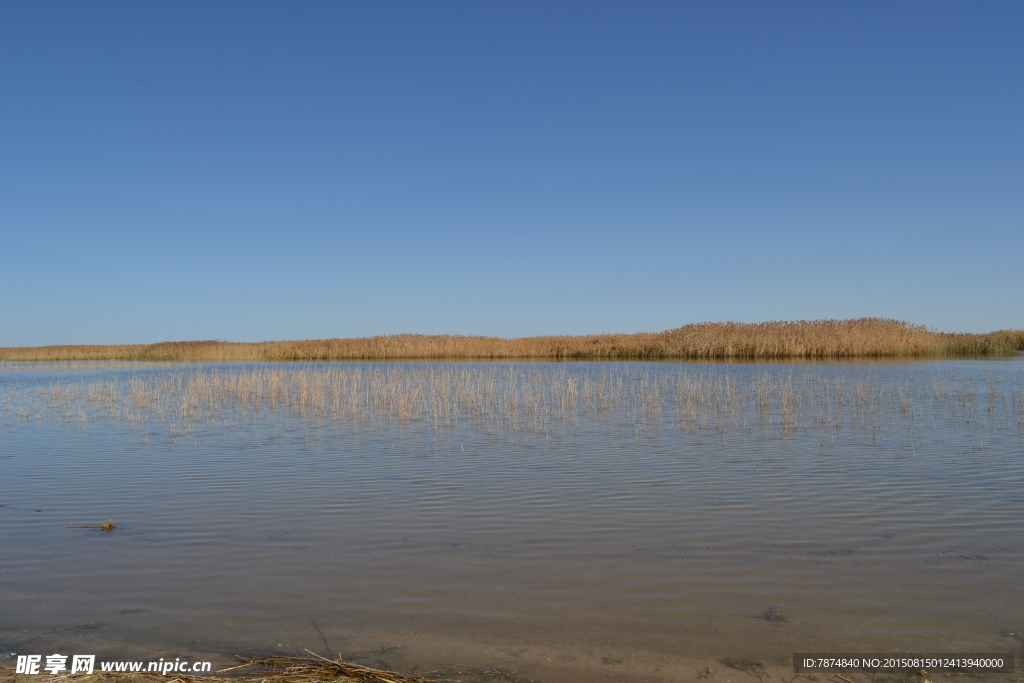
(863, 337)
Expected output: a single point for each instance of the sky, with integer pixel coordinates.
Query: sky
(297, 170)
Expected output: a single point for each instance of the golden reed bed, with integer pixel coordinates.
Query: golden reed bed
(866, 337)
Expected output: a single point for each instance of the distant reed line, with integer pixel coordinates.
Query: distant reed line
(864, 337)
(516, 398)
(56, 366)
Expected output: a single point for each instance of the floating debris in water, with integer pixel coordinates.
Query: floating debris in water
(11, 507)
(107, 526)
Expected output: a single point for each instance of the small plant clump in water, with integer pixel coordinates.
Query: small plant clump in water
(776, 614)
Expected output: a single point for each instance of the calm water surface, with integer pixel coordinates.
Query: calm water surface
(631, 532)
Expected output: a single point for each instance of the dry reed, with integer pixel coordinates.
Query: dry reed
(777, 400)
(864, 337)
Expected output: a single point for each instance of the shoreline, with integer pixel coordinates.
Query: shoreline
(820, 339)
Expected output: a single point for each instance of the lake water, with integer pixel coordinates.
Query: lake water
(551, 522)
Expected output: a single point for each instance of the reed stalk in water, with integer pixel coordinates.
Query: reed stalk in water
(523, 398)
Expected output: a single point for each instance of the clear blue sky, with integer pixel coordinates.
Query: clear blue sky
(252, 170)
